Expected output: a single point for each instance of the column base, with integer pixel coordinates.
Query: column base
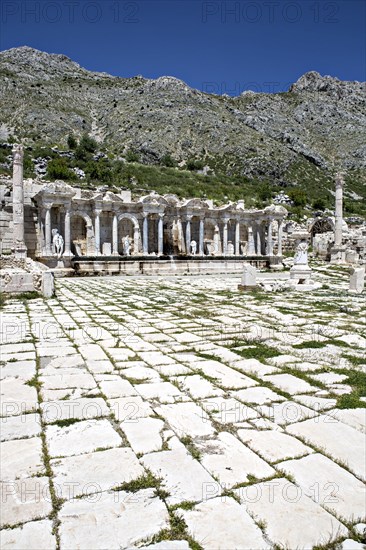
(338, 255)
(20, 253)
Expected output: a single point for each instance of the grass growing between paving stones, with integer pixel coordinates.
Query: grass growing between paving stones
(191, 448)
(178, 531)
(357, 380)
(258, 351)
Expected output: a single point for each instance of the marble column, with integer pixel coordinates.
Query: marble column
(269, 239)
(225, 237)
(259, 239)
(251, 244)
(279, 237)
(160, 235)
(338, 211)
(145, 234)
(115, 235)
(67, 251)
(237, 239)
(202, 236)
(188, 235)
(181, 242)
(136, 240)
(47, 224)
(20, 249)
(97, 231)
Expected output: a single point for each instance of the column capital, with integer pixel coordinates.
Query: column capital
(18, 153)
(339, 181)
(97, 212)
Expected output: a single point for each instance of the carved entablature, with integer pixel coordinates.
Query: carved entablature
(57, 192)
(275, 211)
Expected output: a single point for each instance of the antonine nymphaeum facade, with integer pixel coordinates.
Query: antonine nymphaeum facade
(112, 225)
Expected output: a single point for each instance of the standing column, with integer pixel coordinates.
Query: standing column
(115, 235)
(47, 224)
(279, 244)
(251, 244)
(145, 234)
(136, 240)
(160, 235)
(225, 237)
(202, 235)
(67, 232)
(97, 232)
(259, 239)
(237, 239)
(20, 249)
(188, 234)
(338, 211)
(269, 239)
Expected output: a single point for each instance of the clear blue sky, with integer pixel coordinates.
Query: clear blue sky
(217, 46)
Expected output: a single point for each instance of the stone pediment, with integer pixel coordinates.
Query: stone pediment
(275, 209)
(154, 200)
(172, 199)
(55, 190)
(195, 203)
(111, 197)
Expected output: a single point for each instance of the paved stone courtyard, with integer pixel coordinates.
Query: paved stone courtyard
(180, 413)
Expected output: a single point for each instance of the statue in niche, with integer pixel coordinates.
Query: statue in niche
(193, 247)
(126, 246)
(301, 256)
(57, 243)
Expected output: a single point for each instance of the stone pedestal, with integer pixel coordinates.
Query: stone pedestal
(300, 274)
(338, 255)
(300, 278)
(48, 285)
(249, 278)
(357, 280)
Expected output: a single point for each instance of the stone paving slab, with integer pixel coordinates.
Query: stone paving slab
(24, 500)
(81, 437)
(21, 458)
(339, 440)
(329, 485)
(115, 520)
(183, 477)
(274, 502)
(35, 535)
(19, 427)
(232, 462)
(81, 409)
(95, 472)
(222, 523)
(273, 445)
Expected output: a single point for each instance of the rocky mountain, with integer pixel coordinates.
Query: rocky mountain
(298, 137)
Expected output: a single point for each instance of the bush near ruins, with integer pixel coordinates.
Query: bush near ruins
(58, 169)
(298, 196)
(72, 142)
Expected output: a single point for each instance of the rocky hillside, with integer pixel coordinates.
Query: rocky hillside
(294, 138)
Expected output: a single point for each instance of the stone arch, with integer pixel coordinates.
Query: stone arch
(130, 217)
(135, 237)
(321, 225)
(82, 235)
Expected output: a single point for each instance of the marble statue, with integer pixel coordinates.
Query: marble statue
(57, 243)
(193, 247)
(126, 246)
(301, 256)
